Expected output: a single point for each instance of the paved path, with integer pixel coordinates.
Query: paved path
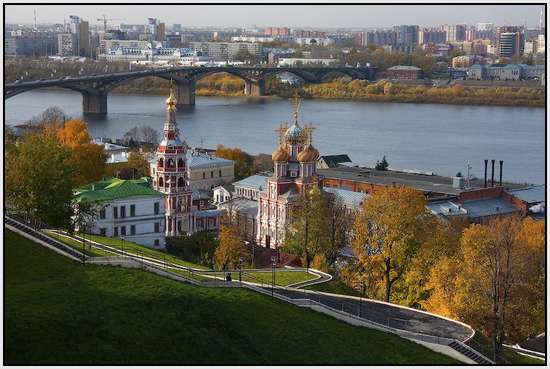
(396, 317)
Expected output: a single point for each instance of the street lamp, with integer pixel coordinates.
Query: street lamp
(240, 269)
(273, 264)
(122, 245)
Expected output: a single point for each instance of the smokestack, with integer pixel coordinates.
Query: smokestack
(492, 172)
(486, 161)
(500, 181)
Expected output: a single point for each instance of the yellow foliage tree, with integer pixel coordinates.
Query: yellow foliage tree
(388, 233)
(231, 248)
(86, 159)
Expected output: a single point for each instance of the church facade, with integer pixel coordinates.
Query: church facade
(170, 175)
(294, 173)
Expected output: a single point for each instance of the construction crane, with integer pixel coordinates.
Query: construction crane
(105, 20)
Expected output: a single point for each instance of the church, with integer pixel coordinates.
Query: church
(170, 174)
(294, 173)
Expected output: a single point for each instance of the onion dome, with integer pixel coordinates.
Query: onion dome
(171, 101)
(280, 155)
(308, 154)
(294, 134)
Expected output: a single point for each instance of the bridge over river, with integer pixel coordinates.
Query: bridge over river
(95, 88)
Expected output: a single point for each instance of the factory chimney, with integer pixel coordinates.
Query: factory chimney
(500, 181)
(492, 172)
(486, 161)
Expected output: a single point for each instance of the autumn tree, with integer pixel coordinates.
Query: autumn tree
(230, 249)
(306, 236)
(498, 273)
(243, 161)
(86, 158)
(388, 233)
(39, 179)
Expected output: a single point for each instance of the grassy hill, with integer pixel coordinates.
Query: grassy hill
(60, 312)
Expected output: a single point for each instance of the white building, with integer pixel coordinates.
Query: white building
(129, 209)
(298, 62)
(115, 153)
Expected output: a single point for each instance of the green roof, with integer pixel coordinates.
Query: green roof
(114, 188)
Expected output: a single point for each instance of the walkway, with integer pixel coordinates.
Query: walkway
(406, 322)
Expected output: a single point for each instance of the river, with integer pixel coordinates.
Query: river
(426, 137)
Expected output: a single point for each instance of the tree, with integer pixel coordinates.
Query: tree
(500, 272)
(307, 234)
(388, 233)
(52, 115)
(149, 135)
(382, 165)
(39, 180)
(243, 161)
(198, 247)
(87, 159)
(138, 165)
(338, 227)
(230, 249)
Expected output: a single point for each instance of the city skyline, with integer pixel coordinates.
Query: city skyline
(320, 16)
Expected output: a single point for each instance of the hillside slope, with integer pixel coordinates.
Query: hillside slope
(60, 312)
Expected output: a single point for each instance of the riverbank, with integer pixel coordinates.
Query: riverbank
(356, 90)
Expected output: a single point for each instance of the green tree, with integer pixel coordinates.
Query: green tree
(39, 179)
(382, 165)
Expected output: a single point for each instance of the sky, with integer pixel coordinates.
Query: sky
(327, 16)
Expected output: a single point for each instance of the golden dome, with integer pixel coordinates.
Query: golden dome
(308, 154)
(280, 155)
(171, 101)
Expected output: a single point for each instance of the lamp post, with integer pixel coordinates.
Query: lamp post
(240, 270)
(273, 264)
(122, 245)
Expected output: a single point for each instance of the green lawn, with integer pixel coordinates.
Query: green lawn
(77, 245)
(57, 311)
(282, 278)
(142, 250)
(334, 286)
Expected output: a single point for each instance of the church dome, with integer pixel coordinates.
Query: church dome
(280, 155)
(294, 134)
(308, 154)
(171, 101)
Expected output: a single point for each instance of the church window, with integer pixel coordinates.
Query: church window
(180, 182)
(170, 163)
(161, 182)
(180, 163)
(161, 163)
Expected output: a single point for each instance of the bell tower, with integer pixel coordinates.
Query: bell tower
(171, 174)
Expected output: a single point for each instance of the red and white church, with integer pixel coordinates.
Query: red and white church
(171, 177)
(294, 174)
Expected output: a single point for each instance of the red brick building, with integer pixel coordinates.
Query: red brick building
(404, 72)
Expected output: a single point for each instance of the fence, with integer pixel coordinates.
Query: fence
(372, 314)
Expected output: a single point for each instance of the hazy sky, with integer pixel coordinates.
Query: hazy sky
(283, 15)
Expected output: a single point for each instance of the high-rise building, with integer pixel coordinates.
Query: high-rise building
(176, 27)
(455, 32)
(406, 38)
(431, 35)
(483, 27)
(66, 44)
(541, 44)
(84, 39)
(160, 33)
(510, 42)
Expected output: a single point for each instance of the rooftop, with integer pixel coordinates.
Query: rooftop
(404, 67)
(256, 181)
(333, 160)
(426, 182)
(488, 207)
(199, 161)
(242, 206)
(530, 195)
(114, 188)
(351, 199)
